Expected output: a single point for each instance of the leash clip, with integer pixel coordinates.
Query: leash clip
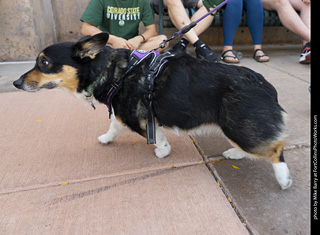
(90, 100)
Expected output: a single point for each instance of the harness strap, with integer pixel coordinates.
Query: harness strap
(155, 67)
(135, 58)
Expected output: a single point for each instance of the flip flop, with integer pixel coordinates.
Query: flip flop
(258, 57)
(236, 55)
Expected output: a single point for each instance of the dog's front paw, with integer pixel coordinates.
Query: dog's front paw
(233, 154)
(105, 139)
(162, 152)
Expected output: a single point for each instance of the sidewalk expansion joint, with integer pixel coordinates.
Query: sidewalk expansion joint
(149, 175)
(147, 172)
(216, 177)
(297, 146)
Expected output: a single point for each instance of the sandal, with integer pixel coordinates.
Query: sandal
(258, 57)
(236, 55)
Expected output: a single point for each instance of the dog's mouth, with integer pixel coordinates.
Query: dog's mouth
(33, 86)
(49, 85)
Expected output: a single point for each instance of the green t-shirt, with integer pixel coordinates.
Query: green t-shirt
(119, 17)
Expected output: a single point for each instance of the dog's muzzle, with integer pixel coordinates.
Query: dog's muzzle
(19, 83)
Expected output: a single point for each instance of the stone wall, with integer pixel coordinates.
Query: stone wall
(67, 18)
(28, 26)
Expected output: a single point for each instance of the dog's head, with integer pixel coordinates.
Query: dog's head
(59, 65)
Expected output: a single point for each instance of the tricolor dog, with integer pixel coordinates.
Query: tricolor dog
(189, 95)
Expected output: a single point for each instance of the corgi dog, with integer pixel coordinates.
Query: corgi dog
(189, 95)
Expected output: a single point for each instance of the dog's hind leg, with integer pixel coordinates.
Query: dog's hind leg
(116, 128)
(281, 172)
(163, 147)
(273, 152)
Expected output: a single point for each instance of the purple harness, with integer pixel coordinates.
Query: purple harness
(156, 65)
(135, 58)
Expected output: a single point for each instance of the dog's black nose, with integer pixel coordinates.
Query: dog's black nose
(18, 83)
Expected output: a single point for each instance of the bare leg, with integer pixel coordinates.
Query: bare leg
(203, 24)
(305, 11)
(289, 17)
(180, 18)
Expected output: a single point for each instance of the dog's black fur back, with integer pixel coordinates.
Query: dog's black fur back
(190, 92)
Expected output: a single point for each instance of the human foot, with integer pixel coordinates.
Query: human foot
(230, 56)
(260, 56)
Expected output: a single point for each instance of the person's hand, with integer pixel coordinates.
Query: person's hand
(118, 42)
(135, 42)
(307, 1)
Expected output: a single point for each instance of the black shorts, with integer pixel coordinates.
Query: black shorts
(186, 4)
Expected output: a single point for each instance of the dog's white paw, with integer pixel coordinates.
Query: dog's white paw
(282, 174)
(105, 139)
(233, 153)
(163, 151)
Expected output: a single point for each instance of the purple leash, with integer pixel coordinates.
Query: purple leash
(213, 10)
(187, 28)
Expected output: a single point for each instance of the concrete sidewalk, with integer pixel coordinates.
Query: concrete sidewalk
(57, 179)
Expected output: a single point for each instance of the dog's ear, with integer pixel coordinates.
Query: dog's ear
(90, 46)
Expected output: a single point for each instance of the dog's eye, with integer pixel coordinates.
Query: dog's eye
(44, 62)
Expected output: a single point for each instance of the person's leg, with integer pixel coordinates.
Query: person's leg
(305, 12)
(255, 23)
(231, 21)
(304, 7)
(203, 24)
(179, 18)
(288, 17)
